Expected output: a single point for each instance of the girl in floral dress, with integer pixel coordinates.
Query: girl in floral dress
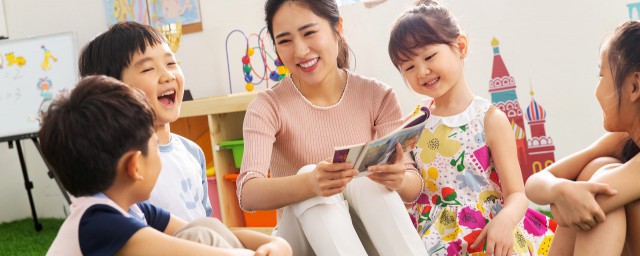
(471, 200)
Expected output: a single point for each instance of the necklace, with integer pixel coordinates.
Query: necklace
(346, 84)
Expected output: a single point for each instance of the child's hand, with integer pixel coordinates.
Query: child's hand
(498, 234)
(277, 247)
(328, 179)
(576, 204)
(390, 175)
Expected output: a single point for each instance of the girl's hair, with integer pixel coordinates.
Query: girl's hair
(624, 59)
(426, 23)
(326, 9)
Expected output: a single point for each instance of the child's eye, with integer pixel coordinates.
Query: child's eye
(171, 63)
(147, 70)
(309, 33)
(430, 57)
(284, 41)
(408, 68)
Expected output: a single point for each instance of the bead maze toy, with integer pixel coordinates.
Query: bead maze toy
(275, 74)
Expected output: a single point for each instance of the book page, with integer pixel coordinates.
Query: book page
(383, 151)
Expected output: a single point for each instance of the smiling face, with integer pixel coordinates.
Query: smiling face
(157, 74)
(306, 43)
(434, 69)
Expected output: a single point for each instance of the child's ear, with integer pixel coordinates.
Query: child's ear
(463, 44)
(128, 163)
(635, 86)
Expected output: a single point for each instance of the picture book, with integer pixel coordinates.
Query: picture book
(383, 150)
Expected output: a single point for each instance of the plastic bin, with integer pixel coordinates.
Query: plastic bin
(237, 148)
(257, 218)
(213, 197)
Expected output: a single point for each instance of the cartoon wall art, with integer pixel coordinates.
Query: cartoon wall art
(126, 10)
(537, 152)
(634, 10)
(184, 12)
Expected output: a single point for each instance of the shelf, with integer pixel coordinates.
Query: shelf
(217, 105)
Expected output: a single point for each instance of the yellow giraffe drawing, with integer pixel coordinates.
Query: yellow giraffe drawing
(12, 59)
(46, 65)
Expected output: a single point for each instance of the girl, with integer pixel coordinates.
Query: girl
(292, 127)
(466, 145)
(580, 207)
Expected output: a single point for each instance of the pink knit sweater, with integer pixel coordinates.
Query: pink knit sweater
(284, 132)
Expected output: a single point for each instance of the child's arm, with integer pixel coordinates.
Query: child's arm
(501, 142)
(148, 241)
(623, 178)
(175, 223)
(574, 202)
(263, 244)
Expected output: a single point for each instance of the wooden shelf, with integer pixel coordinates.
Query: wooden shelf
(225, 115)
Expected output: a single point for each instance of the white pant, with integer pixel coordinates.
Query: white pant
(324, 226)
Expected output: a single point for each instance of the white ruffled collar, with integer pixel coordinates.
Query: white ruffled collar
(476, 107)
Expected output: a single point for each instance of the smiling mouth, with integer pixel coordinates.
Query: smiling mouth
(168, 97)
(431, 83)
(308, 64)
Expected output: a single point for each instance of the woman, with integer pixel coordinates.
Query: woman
(291, 129)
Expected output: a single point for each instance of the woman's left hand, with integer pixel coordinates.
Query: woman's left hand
(390, 175)
(498, 234)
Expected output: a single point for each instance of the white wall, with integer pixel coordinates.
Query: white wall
(552, 43)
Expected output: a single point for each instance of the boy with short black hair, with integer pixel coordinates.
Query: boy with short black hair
(100, 141)
(140, 56)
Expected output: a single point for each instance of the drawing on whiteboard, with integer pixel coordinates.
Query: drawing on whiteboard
(44, 85)
(46, 65)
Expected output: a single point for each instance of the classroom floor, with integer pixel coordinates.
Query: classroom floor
(20, 238)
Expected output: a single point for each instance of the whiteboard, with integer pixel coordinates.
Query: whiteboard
(32, 72)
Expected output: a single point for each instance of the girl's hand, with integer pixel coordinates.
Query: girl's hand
(328, 179)
(576, 206)
(498, 234)
(390, 175)
(276, 247)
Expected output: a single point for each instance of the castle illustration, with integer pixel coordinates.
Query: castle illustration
(537, 152)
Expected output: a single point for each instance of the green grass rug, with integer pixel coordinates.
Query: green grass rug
(20, 238)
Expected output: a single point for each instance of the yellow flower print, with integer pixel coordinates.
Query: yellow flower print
(430, 177)
(489, 196)
(520, 243)
(447, 225)
(437, 142)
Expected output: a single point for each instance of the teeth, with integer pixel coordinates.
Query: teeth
(168, 93)
(309, 64)
(433, 81)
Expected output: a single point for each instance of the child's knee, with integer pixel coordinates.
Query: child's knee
(597, 165)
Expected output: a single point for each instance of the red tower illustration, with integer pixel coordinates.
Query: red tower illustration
(533, 154)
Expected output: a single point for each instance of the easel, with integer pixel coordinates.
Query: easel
(28, 185)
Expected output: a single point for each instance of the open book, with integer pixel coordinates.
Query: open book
(383, 150)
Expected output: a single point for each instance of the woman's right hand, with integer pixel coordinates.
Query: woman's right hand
(575, 205)
(328, 179)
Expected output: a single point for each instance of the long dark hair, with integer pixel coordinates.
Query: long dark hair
(426, 23)
(624, 59)
(326, 9)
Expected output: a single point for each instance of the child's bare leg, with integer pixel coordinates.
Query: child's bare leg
(565, 238)
(609, 236)
(632, 211)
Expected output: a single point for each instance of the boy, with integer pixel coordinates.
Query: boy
(139, 56)
(101, 143)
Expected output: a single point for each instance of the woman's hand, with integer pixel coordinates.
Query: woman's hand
(276, 247)
(498, 234)
(575, 205)
(328, 179)
(390, 175)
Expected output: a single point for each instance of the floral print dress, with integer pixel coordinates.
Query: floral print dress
(462, 189)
